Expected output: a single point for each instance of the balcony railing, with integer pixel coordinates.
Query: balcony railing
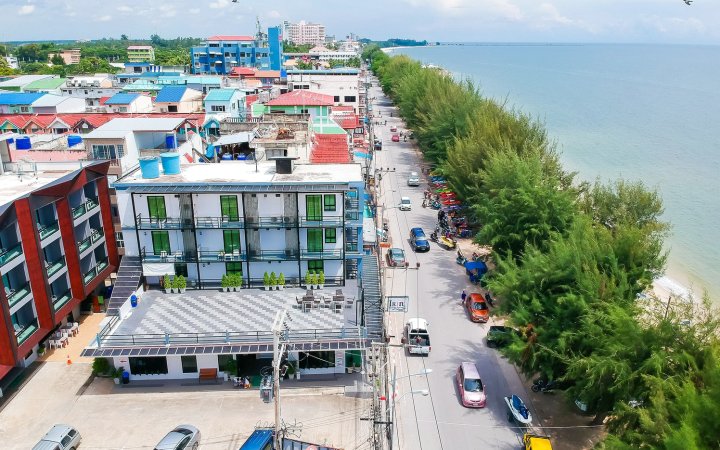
(164, 256)
(352, 247)
(16, 295)
(11, 253)
(154, 223)
(321, 222)
(353, 215)
(85, 207)
(95, 271)
(104, 339)
(23, 332)
(220, 256)
(324, 254)
(84, 244)
(273, 255)
(61, 300)
(48, 230)
(96, 234)
(219, 222)
(352, 204)
(271, 222)
(55, 266)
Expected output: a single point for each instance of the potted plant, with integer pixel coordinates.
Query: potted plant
(315, 279)
(225, 283)
(41, 349)
(266, 281)
(273, 281)
(321, 279)
(230, 369)
(281, 281)
(291, 370)
(118, 374)
(308, 279)
(350, 368)
(167, 284)
(180, 283)
(237, 281)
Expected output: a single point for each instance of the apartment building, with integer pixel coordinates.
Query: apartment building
(304, 33)
(57, 246)
(221, 53)
(344, 85)
(205, 221)
(90, 87)
(71, 56)
(141, 53)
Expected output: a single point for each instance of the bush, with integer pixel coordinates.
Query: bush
(273, 279)
(281, 279)
(225, 281)
(308, 277)
(100, 366)
(266, 279)
(321, 277)
(180, 282)
(167, 284)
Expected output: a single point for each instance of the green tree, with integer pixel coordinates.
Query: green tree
(302, 65)
(91, 65)
(57, 60)
(123, 37)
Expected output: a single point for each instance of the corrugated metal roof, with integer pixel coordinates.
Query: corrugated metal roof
(121, 98)
(302, 97)
(50, 100)
(47, 83)
(220, 95)
(170, 94)
(20, 98)
(23, 80)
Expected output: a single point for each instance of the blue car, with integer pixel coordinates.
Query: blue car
(418, 241)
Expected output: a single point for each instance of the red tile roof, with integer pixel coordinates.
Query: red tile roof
(230, 37)
(19, 120)
(330, 148)
(250, 99)
(343, 108)
(302, 98)
(94, 119)
(103, 100)
(346, 121)
(266, 74)
(242, 71)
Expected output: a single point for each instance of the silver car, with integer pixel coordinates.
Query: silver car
(413, 179)
(183, 437)
(60, 437)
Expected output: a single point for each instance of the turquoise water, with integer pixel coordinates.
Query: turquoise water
(640, 112)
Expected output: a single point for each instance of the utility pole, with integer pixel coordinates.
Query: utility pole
(279, 328)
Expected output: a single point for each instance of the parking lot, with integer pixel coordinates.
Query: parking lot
(132, 417)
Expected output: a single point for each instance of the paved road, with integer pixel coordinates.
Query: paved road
(436, 421)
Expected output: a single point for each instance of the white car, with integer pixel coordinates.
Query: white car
(183, 437)
(60, 437)
(405, 204)
(416, 337)
(413, 179)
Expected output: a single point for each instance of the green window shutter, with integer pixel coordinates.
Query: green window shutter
(313, 207)
(329, 203)
(315, 265)
(229, 207)
(233, 268)
(156, 207)
(315, 239)
(330, 235)
(161, 242)
(231, 240)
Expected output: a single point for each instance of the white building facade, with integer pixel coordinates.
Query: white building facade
(304, 33)
(342, 84)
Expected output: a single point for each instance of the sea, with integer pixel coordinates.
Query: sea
(637, 112)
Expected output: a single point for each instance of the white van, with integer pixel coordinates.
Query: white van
(405, 204)
(60, 437)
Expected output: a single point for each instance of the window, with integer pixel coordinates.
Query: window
(172, 108)
(229, 207)
(312, 207)
(329, 202)
(330, 235)
(232, 268)
(24, 109)
(304, 111)
(122, 109)
(350, 98)
(119, 241)
(224, 361)
(217, 108)
(151, 365)
(107, 151)
(336, 99)
(156, 207)
(161, 242)
(189, 364)
(316, 265)
(314, 240)
(316, 360)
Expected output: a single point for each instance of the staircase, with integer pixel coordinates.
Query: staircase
(128, 280)
(373, 313)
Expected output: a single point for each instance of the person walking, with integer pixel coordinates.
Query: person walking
(463, 296)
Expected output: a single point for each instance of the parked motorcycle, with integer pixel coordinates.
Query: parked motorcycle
(460, 259)
(543, 386)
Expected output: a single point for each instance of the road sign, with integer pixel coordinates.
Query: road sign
(398, 303)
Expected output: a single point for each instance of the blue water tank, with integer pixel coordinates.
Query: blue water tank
(170, 141)
(73, 140)
(133, 301)
(226, 156)
(170, 163)
(23, 143)
(150, 167)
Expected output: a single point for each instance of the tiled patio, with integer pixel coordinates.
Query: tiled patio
(206, 311)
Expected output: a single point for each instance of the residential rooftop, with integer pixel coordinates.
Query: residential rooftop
(118, 128)
(243, 172)
(14, 186)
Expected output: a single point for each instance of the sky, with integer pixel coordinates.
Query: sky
(614, 21)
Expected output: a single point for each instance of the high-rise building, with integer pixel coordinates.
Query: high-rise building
(219, 54)
(304, 33)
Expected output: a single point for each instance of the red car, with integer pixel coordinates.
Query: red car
(477, 308)
(396, 138)
(471, 387)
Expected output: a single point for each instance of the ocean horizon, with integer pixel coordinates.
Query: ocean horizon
(641, 112)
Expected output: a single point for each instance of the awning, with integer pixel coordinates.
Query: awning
(369, 236)
(237, 138)
(362, 155)
(158, 269)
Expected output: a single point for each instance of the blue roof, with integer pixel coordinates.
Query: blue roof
(121, 98)
(220, 95)
(159, 74)
(170, 94)
(20, 98)
(258, 440)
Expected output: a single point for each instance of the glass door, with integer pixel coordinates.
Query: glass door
(156, 207)
(313, 207)
(229, 207)
(315, 240)
(231, 240)
(161, 242)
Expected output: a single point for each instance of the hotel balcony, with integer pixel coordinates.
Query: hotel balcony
(95, 271)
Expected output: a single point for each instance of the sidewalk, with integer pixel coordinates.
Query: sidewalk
(89, 327)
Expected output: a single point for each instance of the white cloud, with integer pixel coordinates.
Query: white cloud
(675, 25)
(551, 13)
(167, 10)
(273, 14)
(219, 4)
(194, 10)
(26, 9)
(500, 9)
(105, 18)
(124, 8)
